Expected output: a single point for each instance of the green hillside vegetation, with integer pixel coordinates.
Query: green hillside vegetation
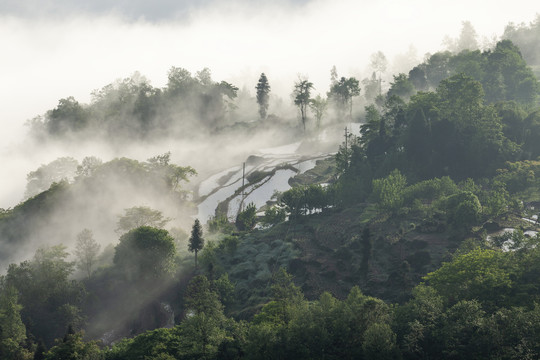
(93, 197)
(390, 250)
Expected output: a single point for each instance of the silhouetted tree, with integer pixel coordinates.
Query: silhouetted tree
(302, 93)
(86, 250)
(196, 241)
(342, 93)
(138, 216)
(263, 89)
(318, 106)
(247, 219)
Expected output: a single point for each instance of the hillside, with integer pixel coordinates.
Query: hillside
(411, 233)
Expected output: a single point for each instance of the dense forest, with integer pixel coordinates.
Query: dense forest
(416, 239)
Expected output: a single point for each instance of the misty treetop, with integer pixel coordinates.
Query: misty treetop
(131, 107)
(55, 171)
(138, 216)
(525, 36)
(302, 95)
(94, 196)
(468, 126)
(86, 251)
(197, 104)
(502, 71)
(263, 95)
(342, 93)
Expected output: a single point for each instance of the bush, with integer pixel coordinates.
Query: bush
(247, 219)
(274, 215)
(463, 209)
(220, 223)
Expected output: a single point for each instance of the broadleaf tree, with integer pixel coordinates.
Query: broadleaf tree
(145, 253)
(342, 93)
(86, 251)
(318, 106)
(301, 94)
(138, 216)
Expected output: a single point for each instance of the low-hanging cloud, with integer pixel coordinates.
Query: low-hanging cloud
(48, 57)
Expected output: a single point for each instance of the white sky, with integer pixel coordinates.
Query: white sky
(45, 58)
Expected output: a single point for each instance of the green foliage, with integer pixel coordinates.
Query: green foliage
(220, 223)
(318, 107)
(72, 347)
(201, 298)
(12, 329)
(203, 329)
(247, 218)
(301, 200)
(484, 275)
(63, 168)
(463, 209)
(145, 253)
(290, 327)
(513, 119)
(274, 215)
(401, 87)
(225, 289)
(389, 191)
(138, 216)
(516, 240)
(229, 243)
(131, 108)
(283, 288)
(475, 122)
(525, 36)
(380, 342)
(68, 116)
(162, 343)
(531, 146)
(171, 174)
(87, 167)
(50, 301)
(342, 92)
(196, 240)
(430, 190)
(514, 79)
(518, 176)
(293, 201)
(86, 251)
(496, 201)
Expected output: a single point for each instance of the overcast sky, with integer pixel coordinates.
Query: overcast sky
(57, 48)
(155, 10)
(51, 49)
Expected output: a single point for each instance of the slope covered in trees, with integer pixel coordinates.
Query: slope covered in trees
(398, 257)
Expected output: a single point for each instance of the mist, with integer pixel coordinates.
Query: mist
(50, 55)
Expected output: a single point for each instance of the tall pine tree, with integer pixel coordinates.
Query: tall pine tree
(263, 91)
(196, 241)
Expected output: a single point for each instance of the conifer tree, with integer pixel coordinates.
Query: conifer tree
(196, 241)
(263, 91)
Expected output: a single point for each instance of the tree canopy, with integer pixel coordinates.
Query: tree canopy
(145, 253)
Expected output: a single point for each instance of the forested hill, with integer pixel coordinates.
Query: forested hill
(417, 240)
